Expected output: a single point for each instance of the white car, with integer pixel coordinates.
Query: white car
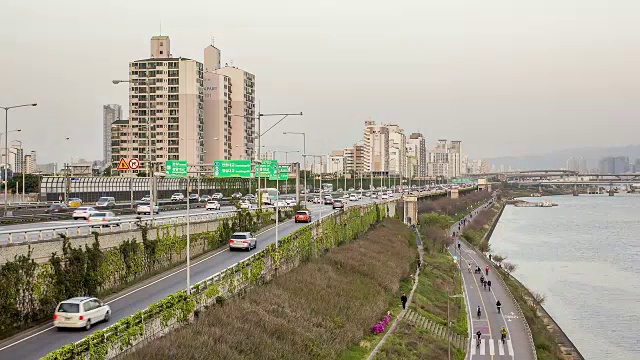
(102, 218)
(384, 196)
(212, 205)
(243, 240)
(82, 212)
(80, 312)
(281, 203)
(374, 195)
(177, 197)
(245, 205)
(145, 208)
(353, 197)
(290, 202)
(217, 196)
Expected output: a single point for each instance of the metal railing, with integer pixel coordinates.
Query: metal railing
(84, 229)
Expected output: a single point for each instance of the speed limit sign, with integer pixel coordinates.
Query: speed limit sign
(134, 164)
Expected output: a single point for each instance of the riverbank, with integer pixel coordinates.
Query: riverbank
(550, 341)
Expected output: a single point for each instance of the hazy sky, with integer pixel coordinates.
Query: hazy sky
(506, 77)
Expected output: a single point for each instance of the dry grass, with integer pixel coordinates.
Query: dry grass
(313, 312)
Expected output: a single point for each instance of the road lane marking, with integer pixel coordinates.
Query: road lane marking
(492, 349)
(482, 343)
(473, 346)
(500, 348)
(510, 347)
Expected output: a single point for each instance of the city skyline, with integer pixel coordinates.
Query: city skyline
(440, 70)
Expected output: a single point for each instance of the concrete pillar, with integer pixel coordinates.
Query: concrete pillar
(412, 210)
(454, 193)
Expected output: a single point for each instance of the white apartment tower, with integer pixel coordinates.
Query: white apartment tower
(165, 93)
(397, 151)
(376, 147)
(418, 143)
(110, 113)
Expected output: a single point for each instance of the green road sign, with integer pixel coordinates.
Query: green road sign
(232, 168)
(176, 168)
(268, 168)
(282, 173)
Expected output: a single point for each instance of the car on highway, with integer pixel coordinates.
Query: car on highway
(384, 196)
(374, 195)
(338, 203)
(75, 202)
(177, 197)
(328, 200)
(146, 198)
(82, 212)
(217, 196)
(281, 203)
(316, 200)
(389, 192)
(205, 198)
(367, 194)
(81, 313)
(243, 240)
(352, 189)
(236, 195)
(145, 208)
(339, 189)
(303, 216)
(290, 202)
(102, 218)
(194, 198)
(353, 197)
(212, 205)
(106, 202)
(244, 205)
(56, 208)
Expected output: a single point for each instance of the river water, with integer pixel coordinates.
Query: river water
(584, 257)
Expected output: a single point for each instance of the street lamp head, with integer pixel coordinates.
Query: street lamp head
(34, 104)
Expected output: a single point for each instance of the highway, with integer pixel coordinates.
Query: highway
(490, 322)
(40, 341)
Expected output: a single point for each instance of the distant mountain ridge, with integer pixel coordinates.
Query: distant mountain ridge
(558, 159)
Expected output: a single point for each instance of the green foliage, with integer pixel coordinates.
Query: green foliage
(442, 222)
(296, 247)
(31, 181)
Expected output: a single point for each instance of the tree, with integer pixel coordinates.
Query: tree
(31, 181)
(107, 171)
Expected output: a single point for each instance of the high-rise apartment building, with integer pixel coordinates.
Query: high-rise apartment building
(336, 162)
(110, 113)
(614, 165)
(376, 147)
(439, 160)
(217, 110)
(29, 164)
(572, 164)
(397, 150)
(455, 151)
(267, 155)
(166, 100)
(418, 146)
(16, 160)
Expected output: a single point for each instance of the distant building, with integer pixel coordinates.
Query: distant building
(445, 159)
(636, 166)
(110, 113)
(376, 147)
(572, 164)
(29, 164)
(614, 165)
(268, 155)
(50, 168)
(417, 146)
(336, 162)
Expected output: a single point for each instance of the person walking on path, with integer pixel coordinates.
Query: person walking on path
(403, 299)
(489, 284)
(486, 270)
(489, 257)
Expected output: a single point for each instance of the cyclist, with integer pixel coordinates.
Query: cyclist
(479, 312)
(478, 334)
(503, 334)
(469, 266)
(498, 304)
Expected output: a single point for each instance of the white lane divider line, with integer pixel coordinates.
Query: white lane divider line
(473, 346)
(492, 349)
(500, 348)
(510, 347)
(482, 352)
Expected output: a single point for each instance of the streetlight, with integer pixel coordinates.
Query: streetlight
(6, 146)
(448, 324)
(304, 158)
(314, 178)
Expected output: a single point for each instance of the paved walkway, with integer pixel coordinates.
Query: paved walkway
(490, 322)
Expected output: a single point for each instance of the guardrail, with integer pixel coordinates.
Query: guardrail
(83, 229)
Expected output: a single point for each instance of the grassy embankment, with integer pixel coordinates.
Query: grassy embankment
(547, 347)
(315, 311)
(439, 280)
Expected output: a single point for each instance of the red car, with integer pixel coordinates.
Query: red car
(303, 216)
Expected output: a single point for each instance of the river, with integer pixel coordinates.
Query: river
(584, 257)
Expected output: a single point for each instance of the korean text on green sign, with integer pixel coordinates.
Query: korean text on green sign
(176, 168)
(232, 168)
(282, 173)
(268, 168)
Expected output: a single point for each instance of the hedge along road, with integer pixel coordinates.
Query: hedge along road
(47, 339)
(517, 345)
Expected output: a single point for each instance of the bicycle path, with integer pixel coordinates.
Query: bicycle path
(490, 322)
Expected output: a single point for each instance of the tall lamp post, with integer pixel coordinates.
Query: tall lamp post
(448, 324)
(6, 147)
(286, 160)
(304, 158)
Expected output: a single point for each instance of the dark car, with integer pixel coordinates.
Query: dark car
(56, 208)
(236, 195)
(328, 200)
(194, 198)
(338, 203)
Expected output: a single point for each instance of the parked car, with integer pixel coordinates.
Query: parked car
(82, 212)
(217, 196)
(145, 208)
(236, 195)
(106, 202)
(243, 240)
(205, 198)
(80, 312)
(177, 197)
(56, 208)
(194, 198)
(338, 203)
(212, 205)
(102, 218)
(303, 216)
(75, 202)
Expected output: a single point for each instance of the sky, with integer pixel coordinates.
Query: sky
(505, 77)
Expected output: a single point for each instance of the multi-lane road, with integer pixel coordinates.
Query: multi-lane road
(490, 322)
(40, 341)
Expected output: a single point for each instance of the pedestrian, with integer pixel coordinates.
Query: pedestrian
(489, 257)
(403, 299)
(484, 284)
(482, 278)
(486, 270)
(489, 284)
